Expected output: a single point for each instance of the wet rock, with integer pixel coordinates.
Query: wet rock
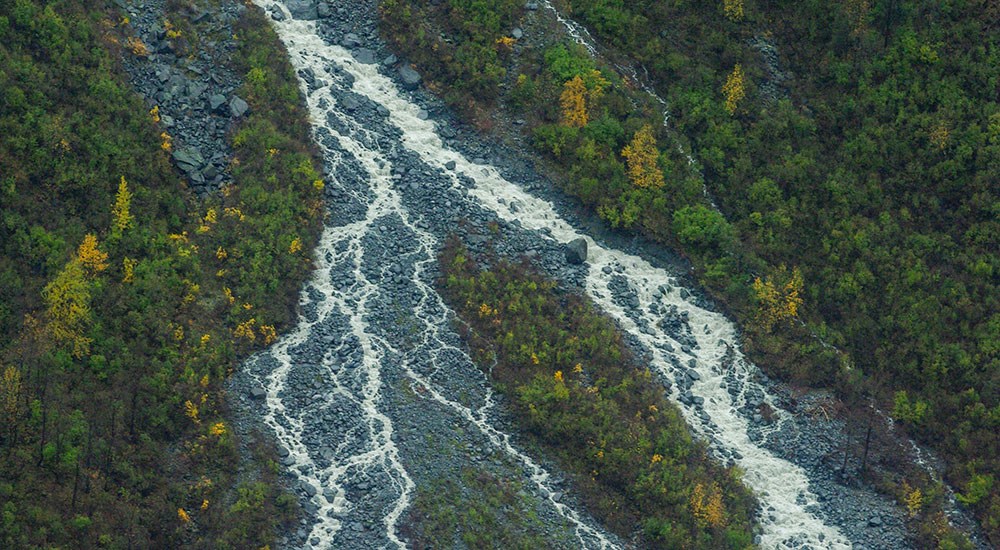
(350, 41)
(390, 60)
(302, 9)
(350, 103)
(364, 55)
(576, 251)
(258, 394)
(409, 77)
(450, 165)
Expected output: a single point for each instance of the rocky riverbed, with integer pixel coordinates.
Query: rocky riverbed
(373, 397)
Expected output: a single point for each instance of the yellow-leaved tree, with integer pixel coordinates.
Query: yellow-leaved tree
(580, 96)
(777, 302)
(734, 88)
(67, 300)
(706, 505)
(573, 101)
(733, 9)
(122, 217)
(90, 256)
(641, 155)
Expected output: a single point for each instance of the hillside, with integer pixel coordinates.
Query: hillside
(126, 298)
(842, 176)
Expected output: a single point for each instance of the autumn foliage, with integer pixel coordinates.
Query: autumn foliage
(573, 101)
(777, 302)
(734, 88)
(641, 155)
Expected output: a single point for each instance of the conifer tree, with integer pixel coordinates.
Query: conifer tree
(735, 88)
(121, 210)
(574, 103)
(641, 155)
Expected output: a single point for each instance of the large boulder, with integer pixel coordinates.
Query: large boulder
(238, 107)
(364, 55)
(217, 104)
(410, 78)
(576, 251)
(189, 159)
(302, 9)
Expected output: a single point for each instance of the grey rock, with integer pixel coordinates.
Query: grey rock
(531, 6)
(188, 159)
(259, 394)
(350, 103)
(576, 251)
(350, 41)
(450, 165)
(302, 9)
(411, 78)
(874, 521)
(217, 103)
(277, 14)
(323, 10)
(238, 107)
(517, 33)
(364, 55)
(390, 60)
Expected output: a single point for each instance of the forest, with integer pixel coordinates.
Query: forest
(840, 198)
(126, 300)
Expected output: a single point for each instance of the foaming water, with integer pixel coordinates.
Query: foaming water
(708, 358)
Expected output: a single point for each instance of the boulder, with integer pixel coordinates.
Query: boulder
(238, 107)
(411, 78)
(302, 9)
(188, 159)
(517, 33)
(259, 394)
(576, 251)
(350, 41)
(364, 55)
(217, 104)
(350, 103)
